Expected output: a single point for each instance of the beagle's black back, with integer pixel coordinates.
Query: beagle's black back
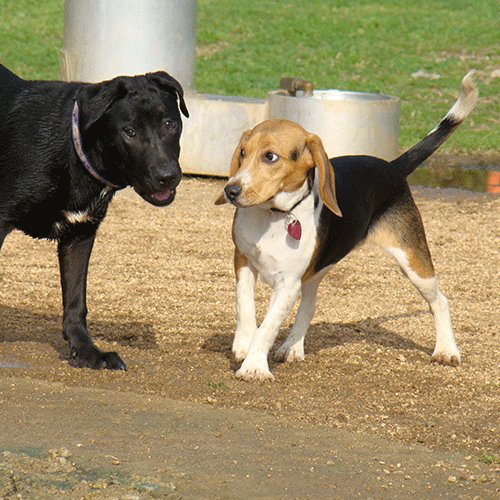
(366, 187)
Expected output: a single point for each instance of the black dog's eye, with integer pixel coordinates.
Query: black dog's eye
(270, 157)
(169, 124)
(129, 132)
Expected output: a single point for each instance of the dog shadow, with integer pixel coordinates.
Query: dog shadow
(24, 325)
(326, 335)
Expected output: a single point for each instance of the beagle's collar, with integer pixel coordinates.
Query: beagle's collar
(290, 210)
(77, 142)
(292, 224)
(310, 182)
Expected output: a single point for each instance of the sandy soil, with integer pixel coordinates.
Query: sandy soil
(161, 292)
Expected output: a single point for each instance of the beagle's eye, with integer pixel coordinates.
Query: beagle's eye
(242, 152)
(129, 132)
(270, 157)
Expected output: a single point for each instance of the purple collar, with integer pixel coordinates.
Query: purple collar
(77, 142)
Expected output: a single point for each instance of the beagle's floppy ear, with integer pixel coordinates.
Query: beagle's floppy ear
(235, 164)
(325, 173)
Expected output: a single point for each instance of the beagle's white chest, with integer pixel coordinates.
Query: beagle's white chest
(261, 235)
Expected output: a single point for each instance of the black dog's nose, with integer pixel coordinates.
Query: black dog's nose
(169, 180)
(232, 191)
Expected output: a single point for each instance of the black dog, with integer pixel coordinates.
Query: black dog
(65, 149)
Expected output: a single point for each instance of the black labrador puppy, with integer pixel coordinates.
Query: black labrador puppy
(65, 149)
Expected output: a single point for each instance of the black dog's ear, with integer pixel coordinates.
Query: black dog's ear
(96, 98)
(169, 84)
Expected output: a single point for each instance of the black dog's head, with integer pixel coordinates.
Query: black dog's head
(133, 124)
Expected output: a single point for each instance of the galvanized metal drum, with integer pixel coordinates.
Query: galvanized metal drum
(214, 129)
(104, 39)
(349, 123)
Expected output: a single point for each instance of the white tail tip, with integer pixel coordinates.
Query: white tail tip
(466, 101)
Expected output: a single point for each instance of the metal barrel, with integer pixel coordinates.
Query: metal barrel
(107, 38)
(349, 123)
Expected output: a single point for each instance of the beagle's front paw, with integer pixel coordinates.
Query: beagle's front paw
(451, 358)
(239, 353)
(241, 344)
(289, 353)
(254, 371)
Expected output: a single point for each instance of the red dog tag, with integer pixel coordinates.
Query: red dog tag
(293, 227)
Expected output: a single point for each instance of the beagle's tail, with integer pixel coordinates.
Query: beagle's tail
(463, 106)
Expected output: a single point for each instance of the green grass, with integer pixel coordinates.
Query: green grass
(217, 385)
(31, 36)
(489, 459)
(371, 46)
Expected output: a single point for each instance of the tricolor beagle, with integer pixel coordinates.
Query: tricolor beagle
(296, 217)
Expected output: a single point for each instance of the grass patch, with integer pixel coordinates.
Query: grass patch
(217, 385)
(489, 459)
(370, 46)
(31, 36)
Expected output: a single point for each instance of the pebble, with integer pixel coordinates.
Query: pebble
(59, 453)
(424, 74)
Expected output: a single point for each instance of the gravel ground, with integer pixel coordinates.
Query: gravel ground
(161, 292)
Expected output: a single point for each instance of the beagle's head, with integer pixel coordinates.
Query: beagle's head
(270, 168)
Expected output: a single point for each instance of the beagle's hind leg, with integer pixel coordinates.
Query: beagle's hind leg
(401, 233)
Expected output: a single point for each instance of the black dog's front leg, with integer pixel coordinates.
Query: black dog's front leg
(74, 258)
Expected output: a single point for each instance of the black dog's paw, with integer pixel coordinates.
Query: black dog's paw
(113, 361)
(90, 357)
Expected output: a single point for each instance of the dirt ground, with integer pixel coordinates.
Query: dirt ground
(365, 414)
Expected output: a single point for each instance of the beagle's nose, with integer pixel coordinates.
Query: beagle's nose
(232, 191)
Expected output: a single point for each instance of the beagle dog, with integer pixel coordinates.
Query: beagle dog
(299, 213)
